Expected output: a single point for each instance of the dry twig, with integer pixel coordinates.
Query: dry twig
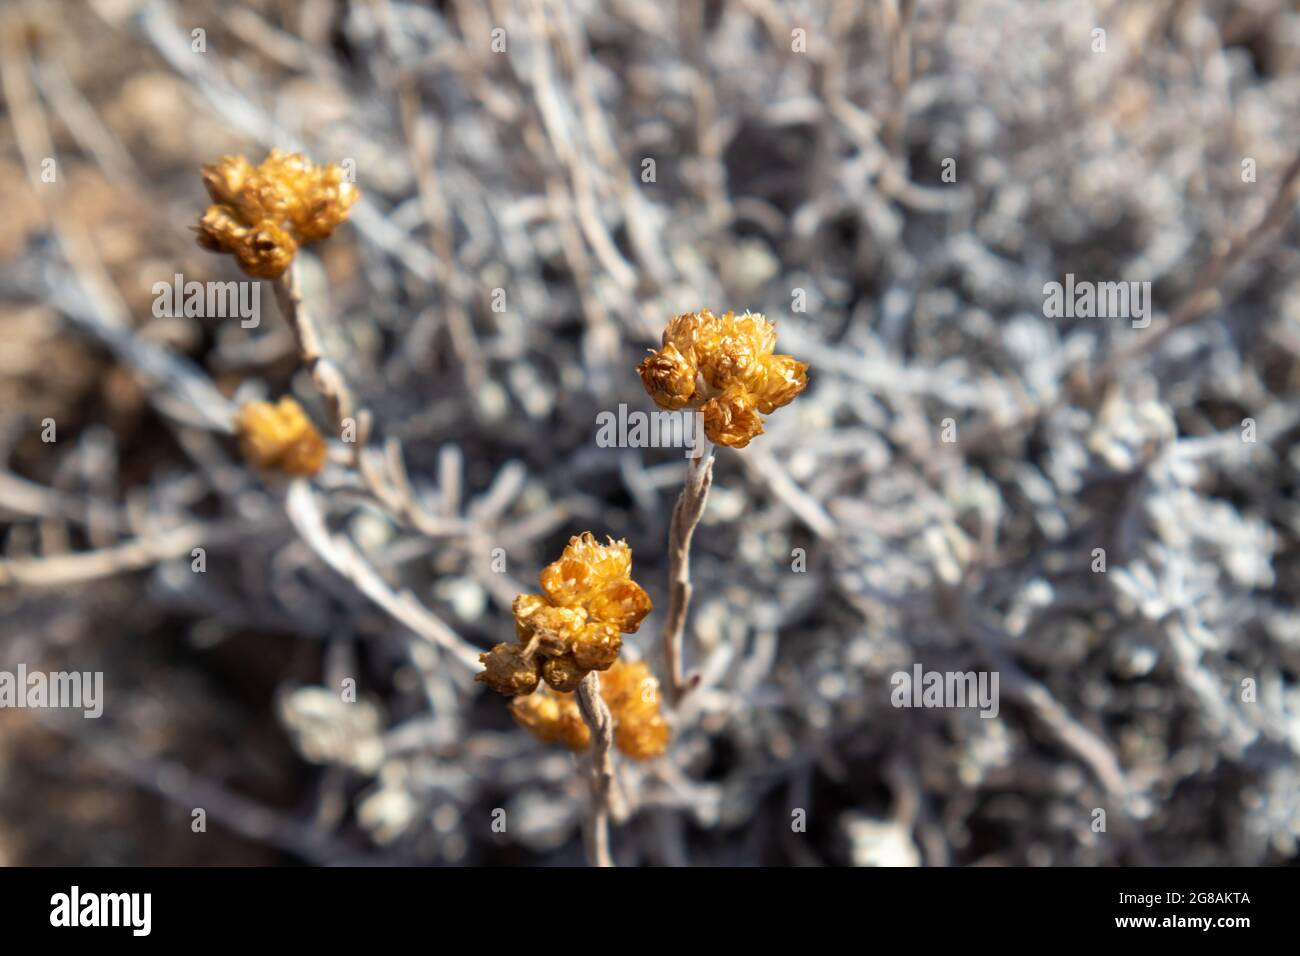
(595, 712)
(686, 516)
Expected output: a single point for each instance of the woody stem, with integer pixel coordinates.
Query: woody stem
(686, 515)
(596, 715)
(324, 375)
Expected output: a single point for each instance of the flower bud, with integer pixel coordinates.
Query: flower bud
(597, 577)
(280, 438)
(597, 647)
(507, 670)
(576, 626)
(563, 673)
(731, 418)
(632, 695)
(261, 215)
(668, 377)
(723, 366)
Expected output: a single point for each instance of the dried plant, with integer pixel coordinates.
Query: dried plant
(630, 691)
(576, 625)
(564, 637)
(724, 367)
(1101, 513)
(280, 438)
(261, 215)
(619, 708)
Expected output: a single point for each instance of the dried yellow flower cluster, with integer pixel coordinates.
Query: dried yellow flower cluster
(632, 694)
(576, 626)
(280, 438)
(260, 215)
(723, 366)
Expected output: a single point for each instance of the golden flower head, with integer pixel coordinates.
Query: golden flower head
(668, 377)
(597, 578)
(725, 367)
(632, 694)
(732, 418)
(261, 214)
(555, 629)
(552, 718)
(280, 438)
(576, 625)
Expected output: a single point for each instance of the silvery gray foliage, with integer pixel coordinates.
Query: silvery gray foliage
(1121, 689)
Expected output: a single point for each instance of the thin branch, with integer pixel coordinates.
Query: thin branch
(341, 555)
(807, 509)
(383, 472)
(1205, 295)
(686, 515)
(131, 556)
(595, 712)
(188, 791)
(898, 24)
(325, 375)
